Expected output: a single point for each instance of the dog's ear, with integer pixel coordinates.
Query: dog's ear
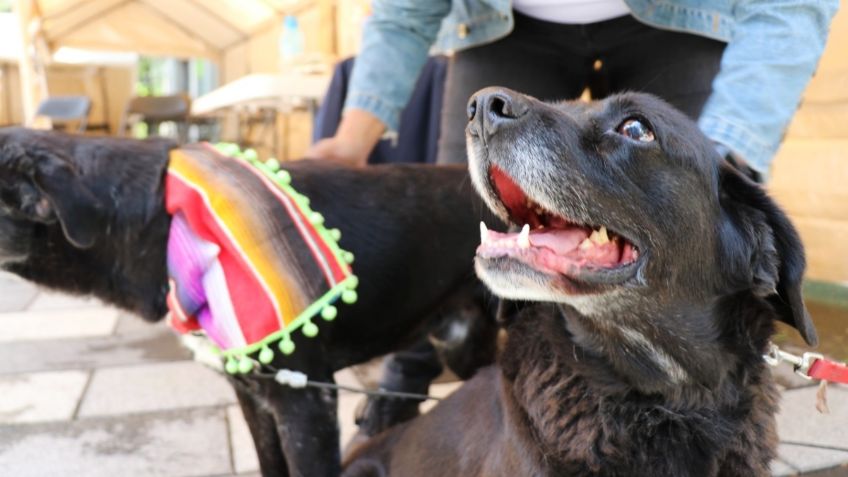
(761, 244)
(43, 186)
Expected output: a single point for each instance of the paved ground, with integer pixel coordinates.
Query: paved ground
(88, 391)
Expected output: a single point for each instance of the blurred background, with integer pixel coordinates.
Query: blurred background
(249, 71)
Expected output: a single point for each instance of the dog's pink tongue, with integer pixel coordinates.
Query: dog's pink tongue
(560, 241)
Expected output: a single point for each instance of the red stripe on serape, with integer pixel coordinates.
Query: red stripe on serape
(246, 292)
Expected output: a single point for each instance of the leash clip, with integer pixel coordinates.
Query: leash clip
(800, 364)
(293, 379)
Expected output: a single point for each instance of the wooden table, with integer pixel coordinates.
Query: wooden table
(266, 93)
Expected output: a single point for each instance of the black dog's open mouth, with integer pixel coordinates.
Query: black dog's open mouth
(549, 242)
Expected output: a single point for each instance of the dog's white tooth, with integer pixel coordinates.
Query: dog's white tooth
(586, 244)
(484, 233)
(600, 236)
(595, 237)
(603, 234)
(635, 253)
(524, 237)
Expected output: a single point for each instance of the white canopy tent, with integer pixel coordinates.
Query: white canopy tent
(218, 30)
(186, 28)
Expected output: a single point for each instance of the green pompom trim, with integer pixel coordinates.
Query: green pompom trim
(310, 329)
(287, 346)
(245, 365)
(349, 297)
(232, 366)
(272, 164)
(283, 176)
(329, 313)
(266, 355)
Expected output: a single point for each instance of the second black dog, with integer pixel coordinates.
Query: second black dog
(87, 216)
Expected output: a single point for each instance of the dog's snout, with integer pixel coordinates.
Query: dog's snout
(493, 108)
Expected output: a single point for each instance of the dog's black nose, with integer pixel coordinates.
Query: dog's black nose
(492, 108)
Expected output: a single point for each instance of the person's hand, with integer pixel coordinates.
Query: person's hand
(355, 138)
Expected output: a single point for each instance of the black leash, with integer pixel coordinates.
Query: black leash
(298, 380)
(815, 446)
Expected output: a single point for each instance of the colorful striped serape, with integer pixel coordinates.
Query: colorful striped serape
(249, 262)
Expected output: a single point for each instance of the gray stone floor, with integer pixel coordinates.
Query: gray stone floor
(86, 390)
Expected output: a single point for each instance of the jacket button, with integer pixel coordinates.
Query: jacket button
(462, 30)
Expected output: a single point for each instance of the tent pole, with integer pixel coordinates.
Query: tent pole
(33, 78)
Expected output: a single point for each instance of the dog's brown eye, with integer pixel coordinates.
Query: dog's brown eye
(636, 130)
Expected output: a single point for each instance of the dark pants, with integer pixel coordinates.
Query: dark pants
(553, 61)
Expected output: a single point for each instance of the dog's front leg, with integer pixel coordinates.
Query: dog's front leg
(307, 424)
(263, 427)
(410, 370)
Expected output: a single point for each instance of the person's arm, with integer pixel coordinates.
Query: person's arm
(767, 64)
(395, 43)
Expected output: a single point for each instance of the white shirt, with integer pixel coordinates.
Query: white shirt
(571, 11)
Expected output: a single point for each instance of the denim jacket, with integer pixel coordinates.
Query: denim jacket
(773, 49)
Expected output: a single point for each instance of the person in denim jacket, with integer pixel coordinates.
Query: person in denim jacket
(738, 67)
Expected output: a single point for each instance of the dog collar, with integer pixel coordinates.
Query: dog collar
(249, 262)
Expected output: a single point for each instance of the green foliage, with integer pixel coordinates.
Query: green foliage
(149, 81)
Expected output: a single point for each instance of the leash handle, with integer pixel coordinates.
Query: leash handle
(827, 370)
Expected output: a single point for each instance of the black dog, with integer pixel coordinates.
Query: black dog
(657, 273)
(87, 216)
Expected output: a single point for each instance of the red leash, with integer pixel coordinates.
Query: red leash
(827, 370)
(809, 365)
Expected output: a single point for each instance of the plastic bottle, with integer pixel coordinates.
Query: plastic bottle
(291, 43)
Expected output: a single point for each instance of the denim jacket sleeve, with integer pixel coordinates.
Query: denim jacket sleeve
(395, 44)
(773, 52)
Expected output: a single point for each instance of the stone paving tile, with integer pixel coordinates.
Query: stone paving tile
(348, 404)
(185, 443)
(799, 421)
(150, 345)
(154, 387)
(840, 471)
(49, 300)
(129, 324)
(40, 396)
(56, 324)
(781, 468)
(16, 294)
(441, 390)
(244, 453)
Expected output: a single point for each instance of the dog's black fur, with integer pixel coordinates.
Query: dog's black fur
(652, 369)
(87, 216)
